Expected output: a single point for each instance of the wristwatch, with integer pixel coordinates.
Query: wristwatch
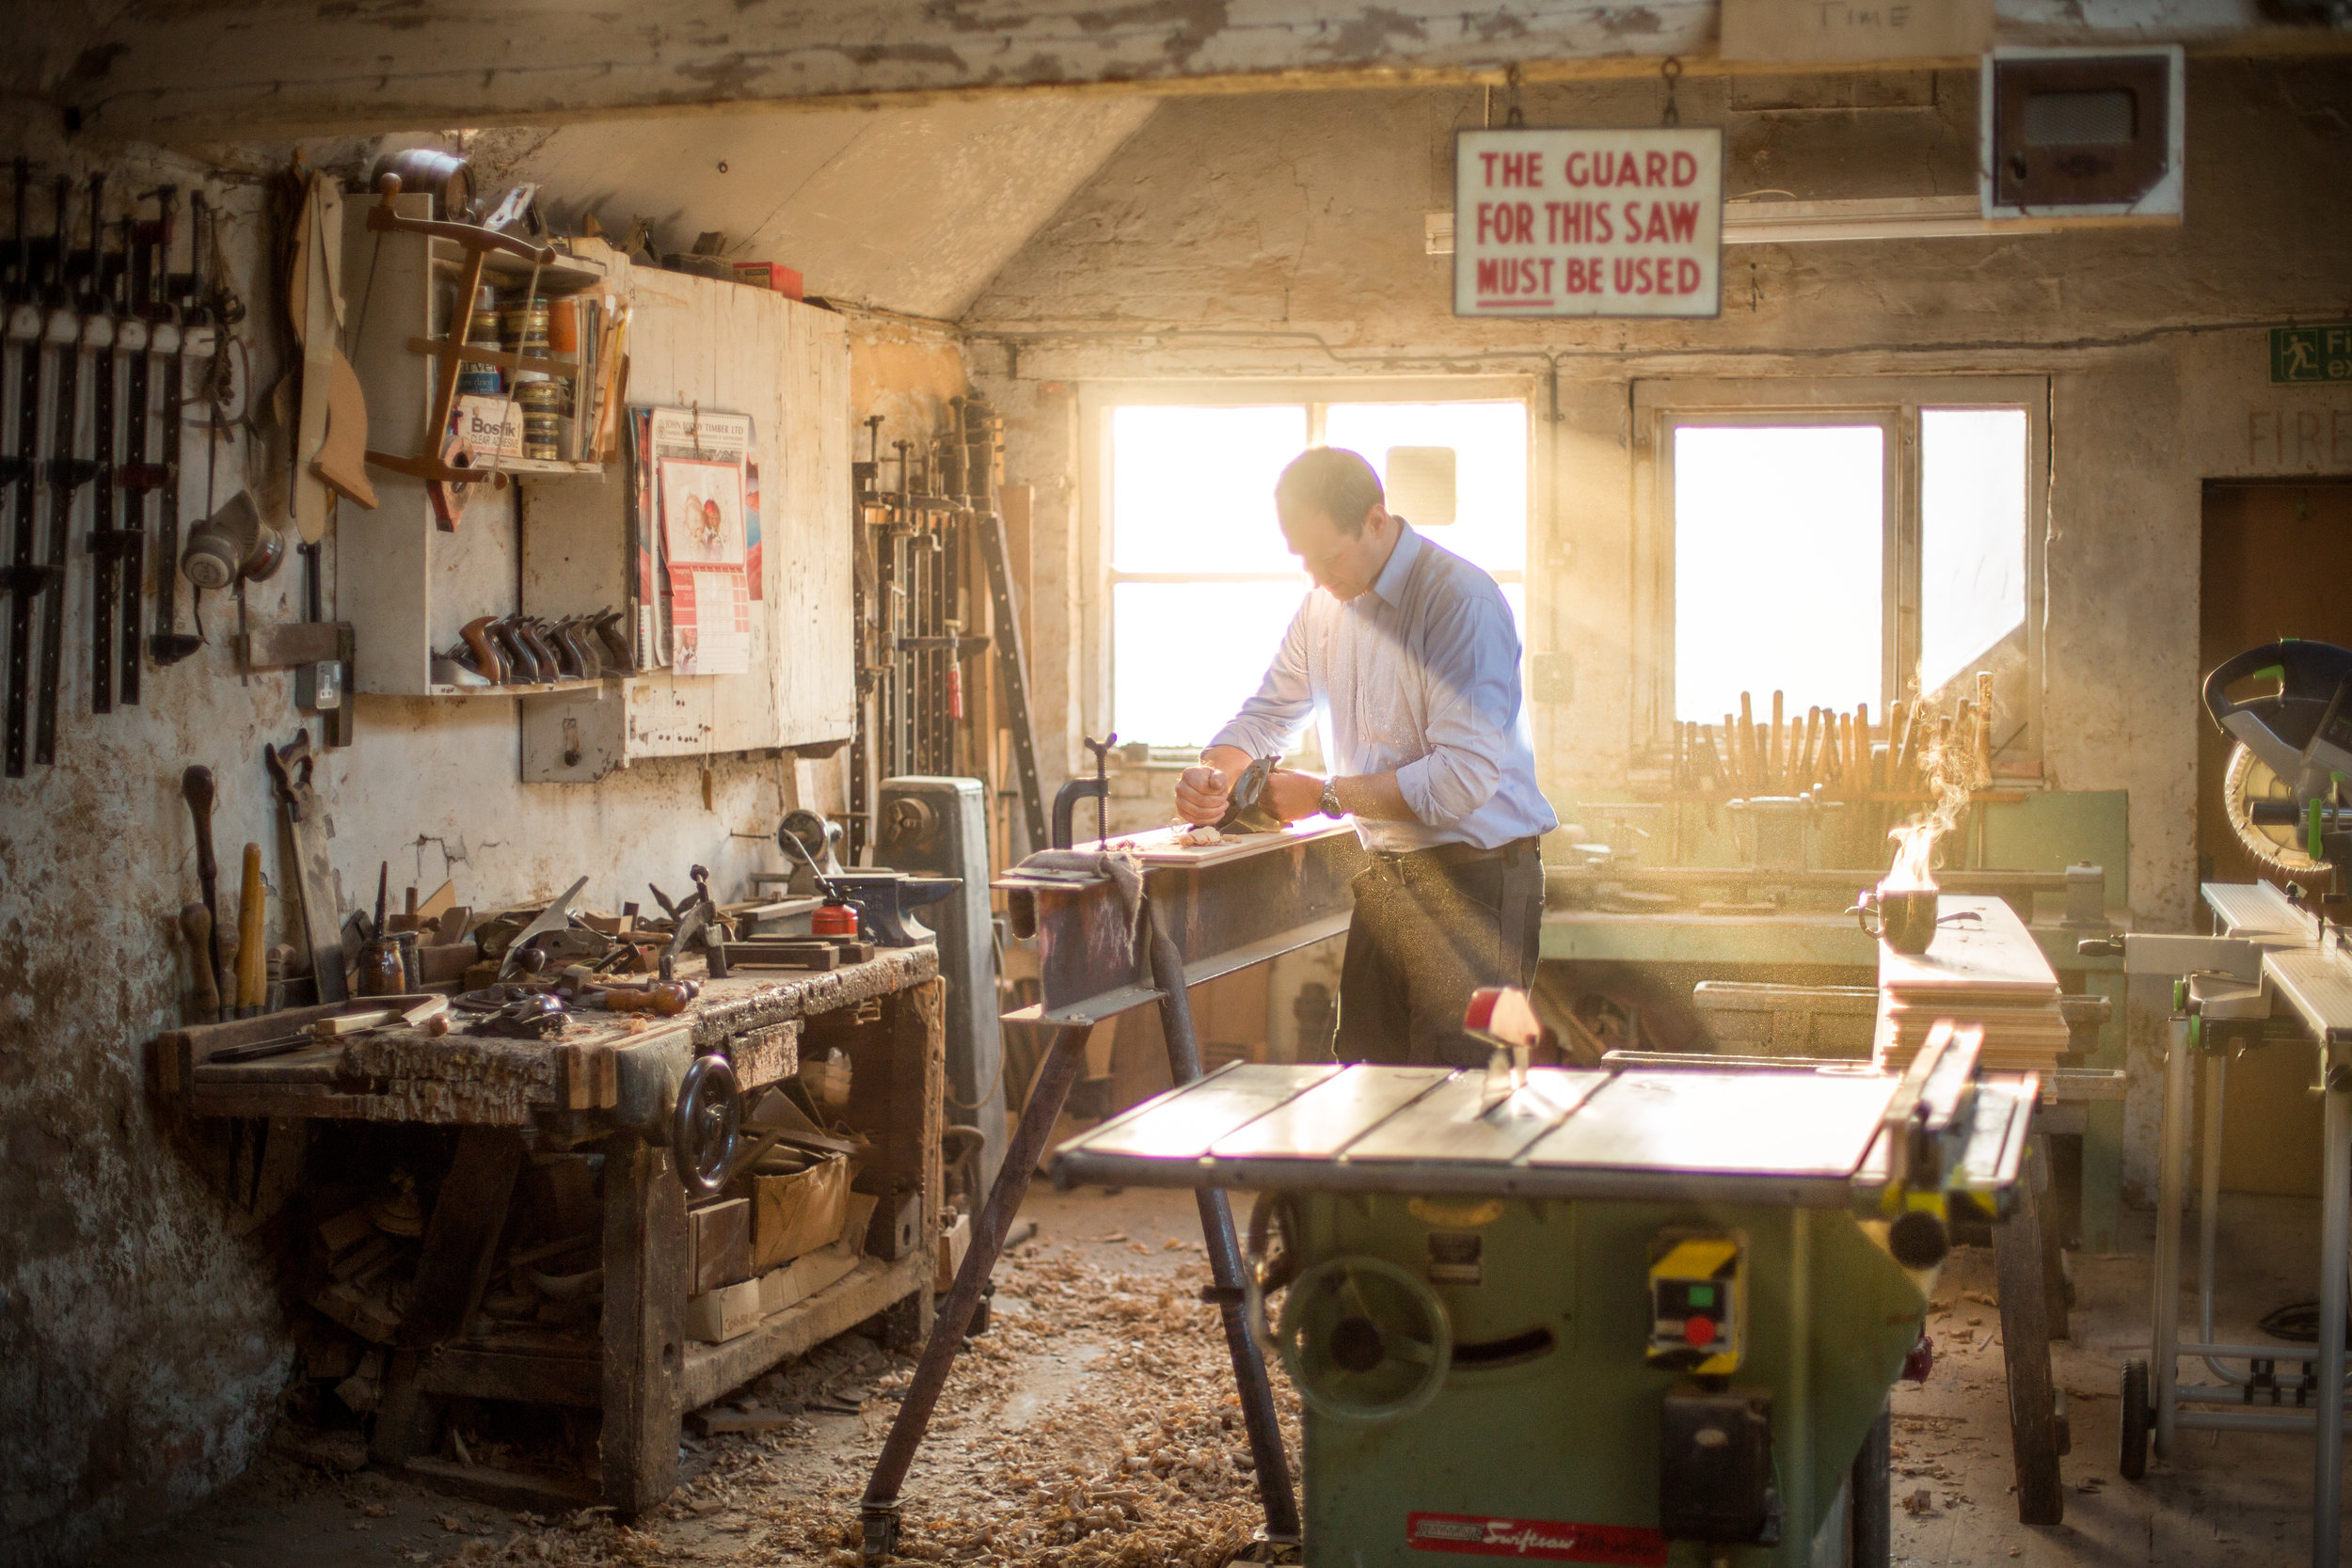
(1329, 804)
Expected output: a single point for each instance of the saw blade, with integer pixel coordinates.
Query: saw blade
(2279, 847)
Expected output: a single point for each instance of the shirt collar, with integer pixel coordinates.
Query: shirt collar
(1389, 587)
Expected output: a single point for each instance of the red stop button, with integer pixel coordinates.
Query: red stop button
(1698, 1331)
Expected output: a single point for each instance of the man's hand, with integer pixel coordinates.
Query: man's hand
(1201, 793)
(1290, 796)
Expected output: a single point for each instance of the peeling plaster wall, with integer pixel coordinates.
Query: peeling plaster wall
(219, 68)
(142, 1344)
(911, 210)
(907, 369)
(1280, 237)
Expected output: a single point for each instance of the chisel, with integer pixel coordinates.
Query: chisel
(195, 785)
(250, 961)
(196, 923)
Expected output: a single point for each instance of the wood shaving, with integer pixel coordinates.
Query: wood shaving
(1093, 1426)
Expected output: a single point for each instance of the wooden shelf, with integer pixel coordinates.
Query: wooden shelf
(520, 688)
(547, 467)
(565, 274)
(405, 586)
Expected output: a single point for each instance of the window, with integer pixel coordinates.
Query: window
(1843, 543)
(1202, 585)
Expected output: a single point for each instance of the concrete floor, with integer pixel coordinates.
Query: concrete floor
(2225, 1501)
(2235, 1499)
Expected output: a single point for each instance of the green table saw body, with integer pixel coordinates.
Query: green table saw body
(1520, 1448)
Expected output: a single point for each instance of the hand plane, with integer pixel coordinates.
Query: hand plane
(1247, 808)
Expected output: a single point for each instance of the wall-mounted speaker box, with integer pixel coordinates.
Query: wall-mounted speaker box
(2094, 135)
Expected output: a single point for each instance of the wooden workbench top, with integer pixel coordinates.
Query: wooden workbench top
(407, 1075)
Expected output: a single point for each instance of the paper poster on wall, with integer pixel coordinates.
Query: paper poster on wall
(753, 565)
(1550, 222)
(701, 535)
(698, 541)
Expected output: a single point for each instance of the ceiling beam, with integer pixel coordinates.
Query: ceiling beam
(204, 69)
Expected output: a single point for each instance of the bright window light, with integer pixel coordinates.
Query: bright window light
(1202, 583)
(1490, 443)
(1778, 547)
(1972, 536)
(1188, 654)
(1192, 489)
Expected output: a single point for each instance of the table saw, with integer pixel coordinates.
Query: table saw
(1644, 1314)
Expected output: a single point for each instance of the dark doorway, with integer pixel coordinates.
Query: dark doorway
(2277, 559)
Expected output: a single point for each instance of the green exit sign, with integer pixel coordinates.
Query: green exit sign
(2311, 353)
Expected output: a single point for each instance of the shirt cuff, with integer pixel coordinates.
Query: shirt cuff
(1412, 782)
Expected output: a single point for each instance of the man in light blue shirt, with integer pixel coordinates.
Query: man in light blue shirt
(1406, 657)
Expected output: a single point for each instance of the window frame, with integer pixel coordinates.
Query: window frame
(1893, 402)
(1096, 402)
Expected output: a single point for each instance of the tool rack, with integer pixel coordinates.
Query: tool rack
(601, 1087)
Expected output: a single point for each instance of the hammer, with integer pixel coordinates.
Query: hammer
(196, 786)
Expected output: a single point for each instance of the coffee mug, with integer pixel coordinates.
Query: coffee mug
(1903, 918)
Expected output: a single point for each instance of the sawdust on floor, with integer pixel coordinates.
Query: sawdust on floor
(1093, 1425)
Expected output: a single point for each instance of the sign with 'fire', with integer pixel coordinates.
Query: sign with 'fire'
(1588, 222)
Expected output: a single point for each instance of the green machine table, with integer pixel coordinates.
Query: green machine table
(1639, 1315)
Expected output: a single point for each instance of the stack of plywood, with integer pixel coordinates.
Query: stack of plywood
(1983, 968)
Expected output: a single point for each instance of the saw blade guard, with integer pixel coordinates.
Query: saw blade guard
(2300, 727)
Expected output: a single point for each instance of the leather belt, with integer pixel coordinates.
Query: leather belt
(1449, 855)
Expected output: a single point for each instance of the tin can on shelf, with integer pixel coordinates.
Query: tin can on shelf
(523, 327)
(540, 402)
(481, 331)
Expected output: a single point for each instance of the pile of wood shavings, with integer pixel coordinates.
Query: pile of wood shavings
(1138, 1458)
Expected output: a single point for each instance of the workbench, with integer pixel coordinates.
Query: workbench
(607, 1085)
(1717, 946)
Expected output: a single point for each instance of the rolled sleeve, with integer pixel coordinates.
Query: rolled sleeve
(1283, 702)
(1471, 655)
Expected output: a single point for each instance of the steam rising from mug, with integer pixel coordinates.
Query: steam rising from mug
(234, 543)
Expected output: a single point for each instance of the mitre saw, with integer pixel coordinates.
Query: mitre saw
(2286, 788)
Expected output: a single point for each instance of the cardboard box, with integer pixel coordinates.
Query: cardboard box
(719, 1235)
(954, 1241)
(715, 1317)
(797, 1214)
(770, 275)
(813, 1272)
(806, 1275)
